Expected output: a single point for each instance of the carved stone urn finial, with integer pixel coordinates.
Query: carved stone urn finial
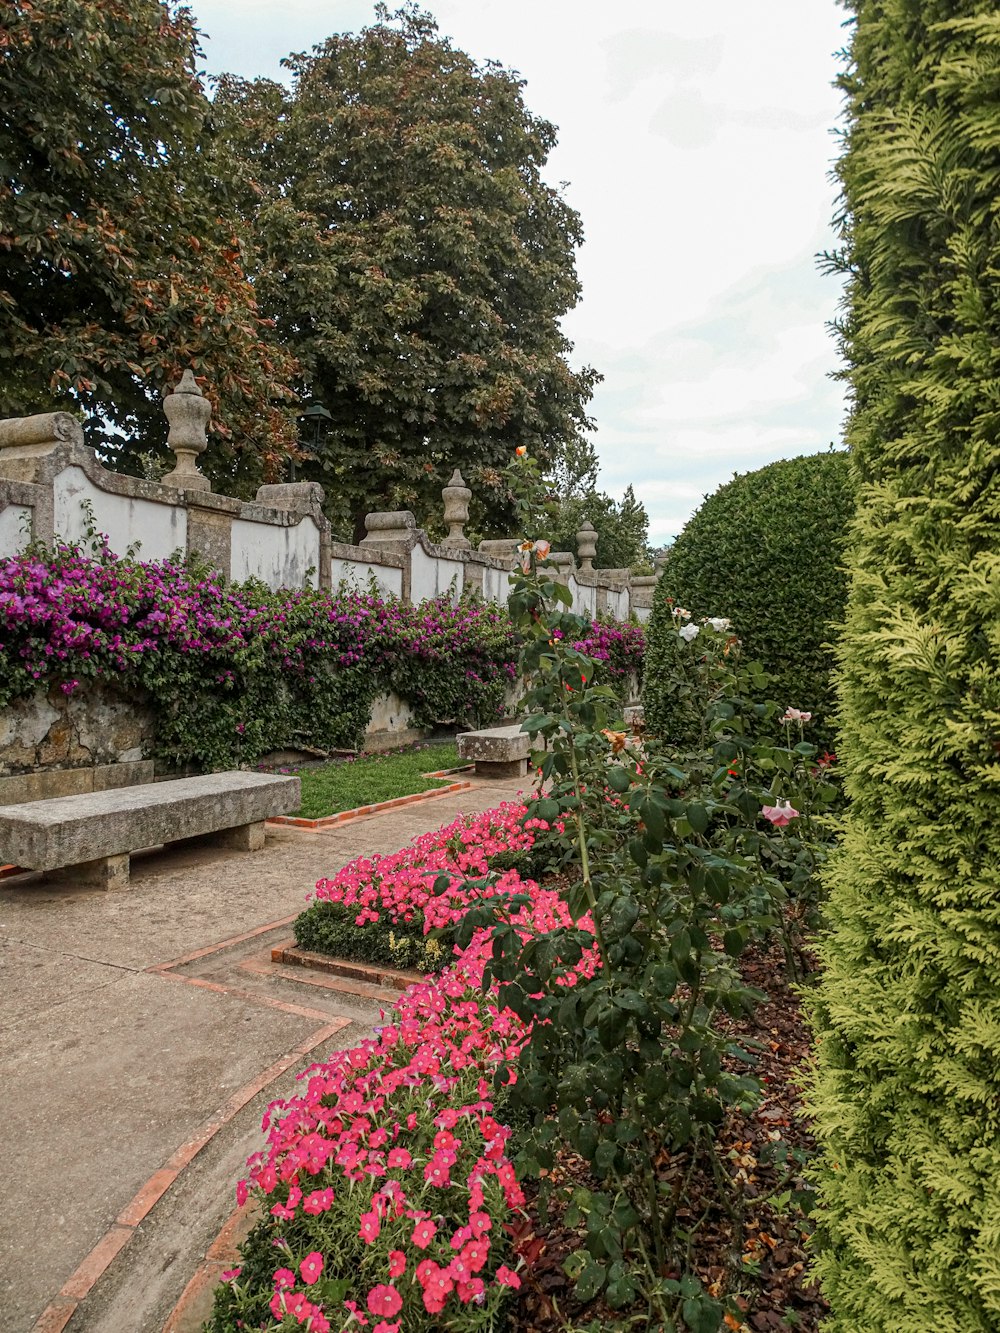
(188, 410)
(586, 545)
(456, 496)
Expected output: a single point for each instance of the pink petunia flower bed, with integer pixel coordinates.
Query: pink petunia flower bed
(386, 1183)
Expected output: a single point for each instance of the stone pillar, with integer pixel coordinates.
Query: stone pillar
(188, 411)
(563, 561)
(500, 548)
(298, 497)
(586, 545)
(456, 496)
(31, 437)
(394, 527)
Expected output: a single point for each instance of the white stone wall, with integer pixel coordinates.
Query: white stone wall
(642, 614)
(496, 585)
(618, 604)
(584, 598)
(157, 530)
(357, 575)
(15, 529)
(281, 557)
(433, 576)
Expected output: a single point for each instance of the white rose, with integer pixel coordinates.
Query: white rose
(718, 623)
(689, 632)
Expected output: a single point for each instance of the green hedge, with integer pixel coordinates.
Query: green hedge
(765, 551)
(906, 1097)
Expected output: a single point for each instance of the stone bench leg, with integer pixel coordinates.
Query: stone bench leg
(244, 838)
(107, 872)
(501, 768)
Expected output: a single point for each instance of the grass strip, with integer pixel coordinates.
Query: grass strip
(344, 784)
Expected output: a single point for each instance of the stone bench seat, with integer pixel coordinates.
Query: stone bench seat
(95, 832)
(497, 752)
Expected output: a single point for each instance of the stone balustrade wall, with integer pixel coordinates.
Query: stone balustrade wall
(52, 487)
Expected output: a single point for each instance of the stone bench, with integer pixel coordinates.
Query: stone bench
(498, 752)
(95, 832)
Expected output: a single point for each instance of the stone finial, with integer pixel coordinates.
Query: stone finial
(660, 560)
(456, 496)
(188, 410)
(586, 545)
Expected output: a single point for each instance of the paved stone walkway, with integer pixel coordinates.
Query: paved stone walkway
(142, 1034)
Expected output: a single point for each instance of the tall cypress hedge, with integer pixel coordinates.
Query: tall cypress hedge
(766, 550)
(907, 1086)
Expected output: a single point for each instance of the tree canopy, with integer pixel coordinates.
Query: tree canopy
(622, 527)
(412, 257)
(119, 265)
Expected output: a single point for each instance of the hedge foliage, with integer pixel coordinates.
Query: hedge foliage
(766, 552)
(234, 671)
(907, 1092)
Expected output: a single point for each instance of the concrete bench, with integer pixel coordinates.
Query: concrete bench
(498, 752)
(95, 832)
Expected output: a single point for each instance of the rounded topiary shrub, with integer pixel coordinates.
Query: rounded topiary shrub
(766, 551)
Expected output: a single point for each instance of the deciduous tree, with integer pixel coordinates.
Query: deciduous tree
(413, 257)
(118, 266)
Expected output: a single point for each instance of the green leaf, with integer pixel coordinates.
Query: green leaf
(590, 1281)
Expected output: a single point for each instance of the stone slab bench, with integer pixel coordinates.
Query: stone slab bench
(95, 832)
(497, 752)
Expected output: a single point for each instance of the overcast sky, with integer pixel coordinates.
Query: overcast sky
(696, 142)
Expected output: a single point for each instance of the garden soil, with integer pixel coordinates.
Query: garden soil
(136, 1025)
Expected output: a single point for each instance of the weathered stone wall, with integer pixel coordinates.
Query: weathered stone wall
(52, 730)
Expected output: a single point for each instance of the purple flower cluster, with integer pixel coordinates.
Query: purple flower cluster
(620, 646)
(233, 671)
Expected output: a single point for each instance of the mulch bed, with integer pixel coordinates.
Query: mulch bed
(759, 1258)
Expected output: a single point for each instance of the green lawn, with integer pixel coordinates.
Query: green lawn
(347, 783)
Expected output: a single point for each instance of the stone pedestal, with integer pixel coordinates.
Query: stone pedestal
(391, 527)
(245, 838)
(111, 873)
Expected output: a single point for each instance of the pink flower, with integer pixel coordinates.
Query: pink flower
(370, 1227)
(319, 1201)
(230, 1274)
(384, 1299)
(383, 1326)
(397, 1263)
(398, 1157)
(507, 1278)
(781, 814)
(284, 1277)
(795, 715)
(475, 1254)
(311, 1268)
(423, 1234)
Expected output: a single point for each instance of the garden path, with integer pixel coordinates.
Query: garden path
(142, 1035)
